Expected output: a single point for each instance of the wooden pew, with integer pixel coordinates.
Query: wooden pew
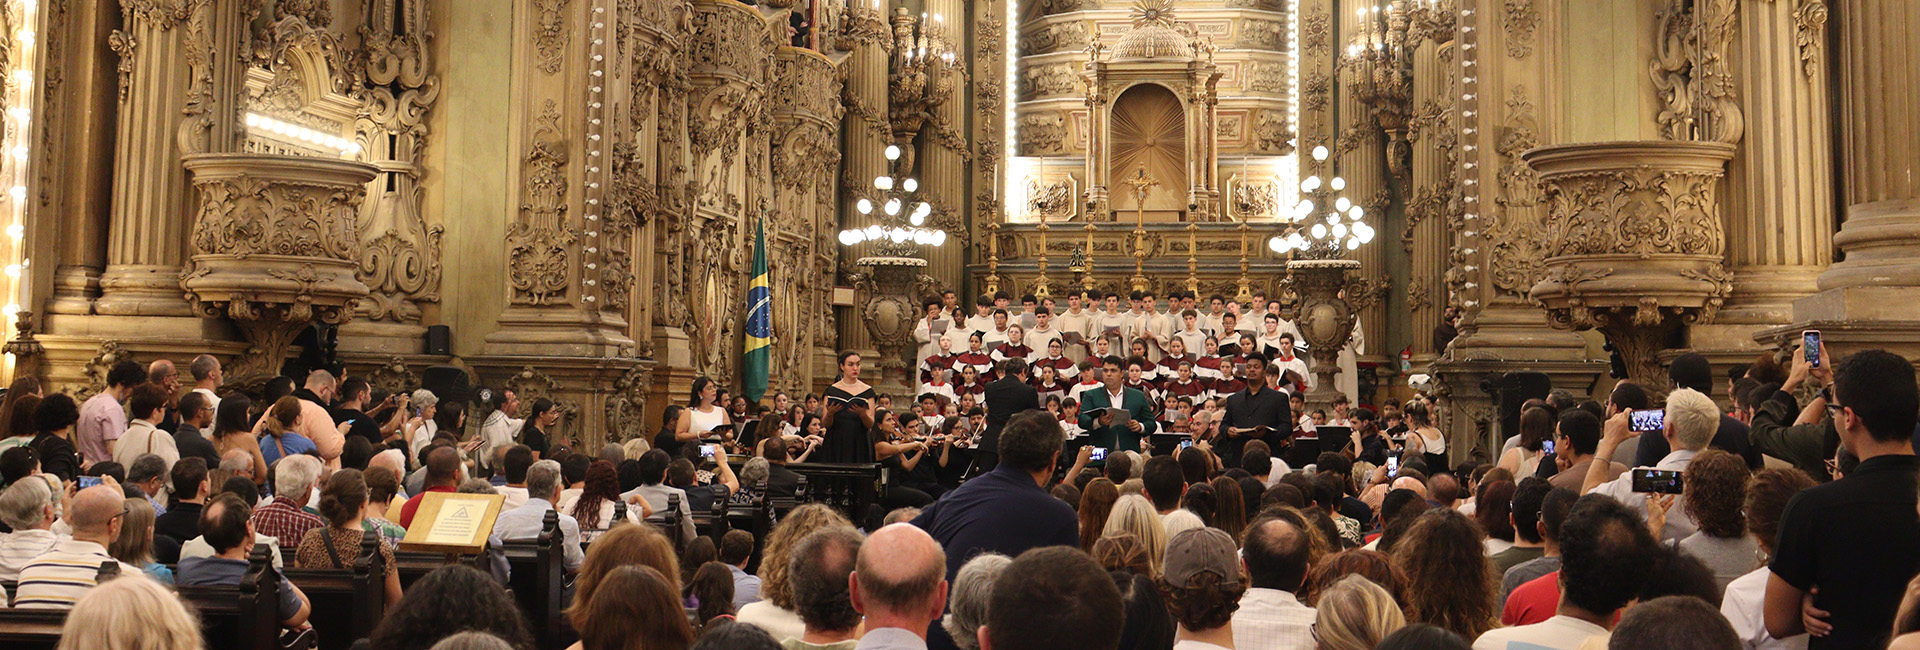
(347, 604)
(39, 629)
(536, 574)
(668, 522)
(415, 565)
(712, 523)
(755, 517)
(247, 616)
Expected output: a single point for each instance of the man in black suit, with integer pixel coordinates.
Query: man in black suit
(781, 482)
(1005, 397)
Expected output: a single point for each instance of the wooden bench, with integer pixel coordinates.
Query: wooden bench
(39, 629)
(347, 603)
(755, 517)
(667, 521)
(245, 616)
(713, 522)
(415, 565)
(536, 574)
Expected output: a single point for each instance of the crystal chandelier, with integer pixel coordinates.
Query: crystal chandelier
(1324, 224)
(898, 230)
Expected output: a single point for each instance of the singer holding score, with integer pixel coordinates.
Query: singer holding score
(1258, 412)
(849, 418)
(1097, 408)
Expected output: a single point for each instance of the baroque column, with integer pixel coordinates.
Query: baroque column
(1428, 234)
(865, 132)
(1866, 300)
(81, 189)
(1361, 153)
(947, 160)
(1503, 58)
(147, 239)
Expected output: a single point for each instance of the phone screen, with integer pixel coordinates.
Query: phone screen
(1546, 447)
(706, 451)
(1186, 443)
(1653, 420)
(1099, 453)
(1393, 465)
(88, 481)
(1657, 481)
(1810, 344)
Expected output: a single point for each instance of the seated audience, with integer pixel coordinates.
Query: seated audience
(54, 419)
(967, 604)
(818, 570)
(134, 545)
(1420, 636)
(473, 641)
(656, 494)
(899, 585)
(709, 594)
(227, 527)
(1133, 517)
(1052, 599)
(29, 507)
(181, 522)
(1673, 623)
(1450, 581)
(1553, 513)
(337, 545)
(1275, 554)
(1352, 614)
(735, 636)
(59, 577)
(1605, 555)
(284, 518)
(452, 599)
(524, 523)
(1375, 566)
(1007, 510)
(625, 544)
(633, 604)
(130, 614)
(736, 551)
(776, 614)
(383, 485)
(1715, 487)
(442, 473)
(517, 459)
(1203, 585)
(1744, 603)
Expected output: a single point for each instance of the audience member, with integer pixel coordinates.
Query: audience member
(899, 584)
(103, 418)
(1203, 585)
(657, 494)
(442, 475)
(1275, 555)
(818, 570)
(1420, 636)
(226, 526)
(1853, 544)
(1715, 487)
(1375, 566)
(1052, 599)
(634, 603)
(181, 521)
(343, 501)
(1691, 417)
(526, 522)
(1007, 510)
(967, 606)
(775, 613)
(60, 576)
(283, 518)
(736, 551)
(146, 403)
(134, 545)
(1604, 560)
(130, 614)
(1673, 623)
(452, 599)
(1352, 614)
(29, 507)
(1523, 519)
(1744, 603)
(735, 636)
(473, 641)
(1553, 513)
(514, 469)
(1450, 581)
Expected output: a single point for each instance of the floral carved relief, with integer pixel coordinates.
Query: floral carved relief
(551, 33)
(540, 243)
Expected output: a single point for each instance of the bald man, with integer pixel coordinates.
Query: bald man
(163, 374)
(64, 574)
(899, 583)
(316, 422)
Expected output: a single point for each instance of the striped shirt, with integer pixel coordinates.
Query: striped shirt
(63, 575)
(22, 548)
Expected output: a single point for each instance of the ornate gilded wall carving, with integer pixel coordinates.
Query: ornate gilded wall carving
(400, 251)
(1516, 240)
(1520, 18)
(540, 244)
(1042, 133)
(1691, 74)
(1055, 37)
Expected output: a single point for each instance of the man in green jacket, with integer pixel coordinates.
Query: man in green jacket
(1101, 425)
(1783, 430)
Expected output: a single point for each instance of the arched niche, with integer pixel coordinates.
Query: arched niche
(1148, 130)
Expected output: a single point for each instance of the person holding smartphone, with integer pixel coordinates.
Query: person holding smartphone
(1691, 419)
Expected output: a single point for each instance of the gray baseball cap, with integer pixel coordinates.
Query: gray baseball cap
(1201, 550)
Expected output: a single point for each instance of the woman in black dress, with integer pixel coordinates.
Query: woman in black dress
(849, 417)
(55, 417)
(539, 423)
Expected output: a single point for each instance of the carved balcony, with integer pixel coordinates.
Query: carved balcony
(1635, 245)
(275, 247)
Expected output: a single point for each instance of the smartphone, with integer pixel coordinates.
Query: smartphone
(706, 451)
(1099, 453)
(1546, 447)
(1810, 345)
(1656, 481)
(1186, 443)
(1653, 420)
(88, 481)
(1393, 465)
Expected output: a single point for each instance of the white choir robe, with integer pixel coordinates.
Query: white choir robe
(929, 342)
(1349, 379)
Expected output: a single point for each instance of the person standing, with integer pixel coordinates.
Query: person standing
(207, 377)
(496, 432)
(1846, 549)
(1005, 397)
(1098, 421)
(103, 417)
(1257, 413)
(1007, 510)
(849, 417)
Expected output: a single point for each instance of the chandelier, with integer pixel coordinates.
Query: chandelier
(898, 229)
(1324, 224)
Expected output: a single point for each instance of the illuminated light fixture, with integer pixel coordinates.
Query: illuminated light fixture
(1320, 152)
(306, 136)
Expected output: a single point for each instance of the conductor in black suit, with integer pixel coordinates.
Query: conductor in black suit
(1005, 397)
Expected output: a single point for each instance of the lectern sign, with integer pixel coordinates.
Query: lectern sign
(453, 522)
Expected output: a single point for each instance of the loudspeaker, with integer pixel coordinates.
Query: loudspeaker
(1510, 391)
(439, 341)
(449, 383)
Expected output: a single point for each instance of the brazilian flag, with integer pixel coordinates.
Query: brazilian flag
(759, 321)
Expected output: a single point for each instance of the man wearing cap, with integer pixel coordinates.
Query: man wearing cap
(1203, 584)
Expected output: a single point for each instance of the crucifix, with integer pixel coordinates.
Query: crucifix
(1142, 185)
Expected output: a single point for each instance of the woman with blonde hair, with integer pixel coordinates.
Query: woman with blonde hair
(130, 614)
(1355, 614)
(775, 614)
(134, 546)
(1096, 504)
(625, 544)
(1134, 515)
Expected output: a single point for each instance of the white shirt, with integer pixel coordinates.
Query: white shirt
(516, 497)
(198, 547)
(1298, 366)
(1679, 523)
(21, 547)
(982, 324)
(525, 522)
(1744, 607)
(213, 401)
(1557, 633)
(777, 622)
(1190, 644)
(1271, 619)
(141, 439)
(497, 431)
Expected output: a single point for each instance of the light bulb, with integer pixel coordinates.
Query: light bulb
(849, 238)
(898, 236)
(892, 206)
(923, 209)
(939, 237)
(1306, 207)
(1342, 204)
(1338, 184)
(883, 182)
(917, 219)
(1312, 183)
(874, 232)
(893, 152)
(16, 231)
(864, 206)
(1364, 232)
(1296, 241)
(1353, 244)
(910, 185)
(1320, 153)
(1356, 213)
(1339, 230)
(1319, 231)
(1277, 245)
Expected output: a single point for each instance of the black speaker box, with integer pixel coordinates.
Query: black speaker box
(449, 383)
(1513, 389)
(439, 340)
